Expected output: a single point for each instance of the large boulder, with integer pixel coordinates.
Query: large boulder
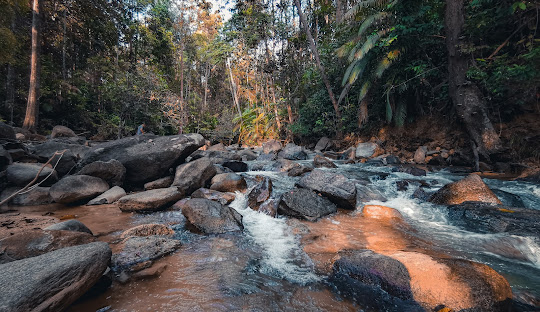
(323, 144)
(78, 188)
(299, 170)
(292, 151)
(530, 175)
(146, 157)
(260, 192)
(366, 150)
(6, 132)
(217, 157)
(137, 253)
(210, 217)
(22, 173)
(430, 282)
(321, 161)
(109, 197)
(47, 149)
(420, 155)
(382, 213)
(112, 171)
(223, 198)
(471, 188)
(148, 230)
(36, 196)
(193, 175)
(228, 182)
(336, 187)
(5, 158)
(159, 183)
(62, 131)
(305, 204)
(271, 146)
(69, 225)
(247, 154)
(236, 166)
(37, 242)
(53, 281)
(366, 193)
(152, 200)
(486, 218)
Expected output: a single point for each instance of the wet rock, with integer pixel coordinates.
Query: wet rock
(216, 157)
(146, 157)
(152, 272)
(305, 204)
(348, 154)
(420, 155)
(5, 158)
(37, 242)
(62, 131)
(284, 165)
(320, 162)
(420, 194)
(223, 198)
(509, 199)
(486, 218)
(236, 166)
(293, 152)
(437, 161)
(412, 170)
(18, 154)
(159, 183)
(323, 144)
(268, 156)
(148, 230)
(217, 147)
(381, 212)
(37, 196)
(228, 182)
(271, 146)
(211, 217)
(392, 160)
(6, 132)
(247, 155)
(73, 189)
(109, 197)
(53, 281)
(193, 175)
(112, 171)
(367, 193)
(530, 175)
(298, 171)
(138, 250)
(270, 207)
(471, 188)
(331, 155)
(260, 192)
(69, 225)
(22, 173)
(220, 169)
(336, 187)
(431, 282)
(366, 150)
(152, 200)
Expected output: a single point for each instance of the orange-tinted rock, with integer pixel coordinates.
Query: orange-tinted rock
(381, 212)
(471, 188)
(148, 230)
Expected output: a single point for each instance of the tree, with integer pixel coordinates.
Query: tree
(32, 106)
(465, 95)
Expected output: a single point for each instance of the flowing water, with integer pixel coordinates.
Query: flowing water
(272, 265)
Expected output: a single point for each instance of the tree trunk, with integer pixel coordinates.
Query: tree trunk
(304, 23)
(465, 95)
(32, 107)
(233, 89)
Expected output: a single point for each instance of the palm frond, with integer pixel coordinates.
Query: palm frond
(368, 22)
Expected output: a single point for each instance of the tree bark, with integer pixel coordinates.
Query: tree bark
(32, 106)
(465, 95)
(305, 25)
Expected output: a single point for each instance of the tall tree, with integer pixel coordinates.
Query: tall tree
(465, 95)
(32, 106)
(322, 71)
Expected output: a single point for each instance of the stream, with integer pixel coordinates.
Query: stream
(272, 267)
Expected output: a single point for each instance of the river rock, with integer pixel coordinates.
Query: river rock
(459, 285)
(412, 170)
(53, 281)
(228, 182)
(152, 200)
(271, 146)
(216, 157)
(37, 242)
(70, 225)
(298, 171)
(247, 155)
(159, 183)
(146, 157)
(268, 156)
(509, 199)
(217, 147)
(236, 166)
(72, 189)
(260, 192)
(530, 175)
(6, 132)
(37, 196)
(381, 212)
(136, 250)
(320, 162)
(193, 175)
(270, 207)
(112, 171)
(5, 158)
(211, 217)
(109, 197)
(420, 155)
(486, 218)
(336, 187)
(62, 131)
(47, 149)
(223, 198)
(305, 204)
(471, 188)
(323, 144)
(148, 230)
(293, 152)
(366, 193)
(366, 150)
(22, 173)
